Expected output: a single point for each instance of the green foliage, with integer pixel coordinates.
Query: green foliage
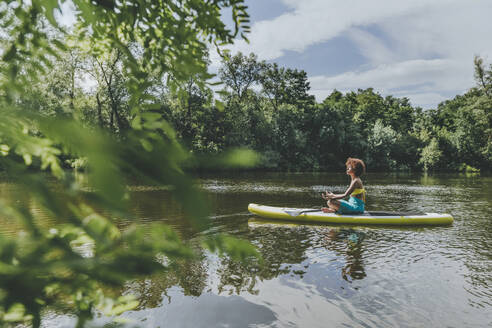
(431, 155)
(285, 86)
(483, 76)
(48, 119)
(381, 143)
(466, 134)
(239, 73)
(280, 120)
(291, 138)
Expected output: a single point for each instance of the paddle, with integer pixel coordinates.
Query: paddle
(299, 212)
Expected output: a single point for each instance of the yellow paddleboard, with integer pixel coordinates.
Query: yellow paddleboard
(382, 218)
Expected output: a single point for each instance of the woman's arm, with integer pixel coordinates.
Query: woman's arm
(330, 195)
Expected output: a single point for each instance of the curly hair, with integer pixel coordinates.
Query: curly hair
(358, 166)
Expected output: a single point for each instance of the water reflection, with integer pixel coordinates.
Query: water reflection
(286, 251)
(213, 311)
(190, 275)
(280, 248)
(353, 268)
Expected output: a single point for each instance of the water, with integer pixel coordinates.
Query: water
(322, 275)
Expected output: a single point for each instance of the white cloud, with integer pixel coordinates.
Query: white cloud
(423, 81)
(315, 21)
(459, 31)
(424, 100)
(453, 33)
(407, 73)
(371, 47)
(423, 48)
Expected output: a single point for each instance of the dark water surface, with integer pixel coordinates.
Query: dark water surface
(323, 275)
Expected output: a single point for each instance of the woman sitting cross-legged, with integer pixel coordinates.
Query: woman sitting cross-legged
(357, 200)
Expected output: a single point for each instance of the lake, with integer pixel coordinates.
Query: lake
(321, 275)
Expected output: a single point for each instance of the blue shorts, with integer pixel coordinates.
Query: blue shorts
(353, 205)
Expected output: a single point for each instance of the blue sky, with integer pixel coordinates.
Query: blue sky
(418, 49)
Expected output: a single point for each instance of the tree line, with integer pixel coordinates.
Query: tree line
(267, 108)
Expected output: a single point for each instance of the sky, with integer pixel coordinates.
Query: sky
(419, 49)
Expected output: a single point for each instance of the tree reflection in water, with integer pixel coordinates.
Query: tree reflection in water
(282, 247)
(191, 275)
(348, 242)
(279, 248)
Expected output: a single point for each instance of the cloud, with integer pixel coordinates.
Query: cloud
(425, 55)
(425, 100)
(407, 73)
(424, 82)
(315, 21)
(371, 47)
(458, 30)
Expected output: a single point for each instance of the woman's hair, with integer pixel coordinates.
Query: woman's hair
(358, 166)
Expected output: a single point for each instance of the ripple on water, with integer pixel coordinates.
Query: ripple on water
(274, 188)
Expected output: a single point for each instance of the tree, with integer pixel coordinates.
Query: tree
(398, 113)
(483, 76)
(381, 142)
(462, 126)
(240, 73)
(369, 108)
(111, 86)
(285, 86)
(188, 109)
(484, 79)
(431, 155)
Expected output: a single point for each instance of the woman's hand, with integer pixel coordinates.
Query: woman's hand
(328, 195)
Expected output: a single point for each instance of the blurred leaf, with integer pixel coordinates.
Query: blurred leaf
(220, 105)
(16, 313)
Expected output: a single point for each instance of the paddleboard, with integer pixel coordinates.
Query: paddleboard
(370, 217)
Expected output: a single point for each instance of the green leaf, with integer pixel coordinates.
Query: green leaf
(123, 304)
(27, 159)
(100, 228)
(15, 313)
(48, 8)
(220, 105)
(147, 145)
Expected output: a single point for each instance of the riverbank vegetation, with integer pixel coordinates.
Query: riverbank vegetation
(268, 109)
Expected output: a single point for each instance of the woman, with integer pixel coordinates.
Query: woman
(357, 200)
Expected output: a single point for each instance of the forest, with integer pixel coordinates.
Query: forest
(260, 106)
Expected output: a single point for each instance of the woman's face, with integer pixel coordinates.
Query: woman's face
(349, 169)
